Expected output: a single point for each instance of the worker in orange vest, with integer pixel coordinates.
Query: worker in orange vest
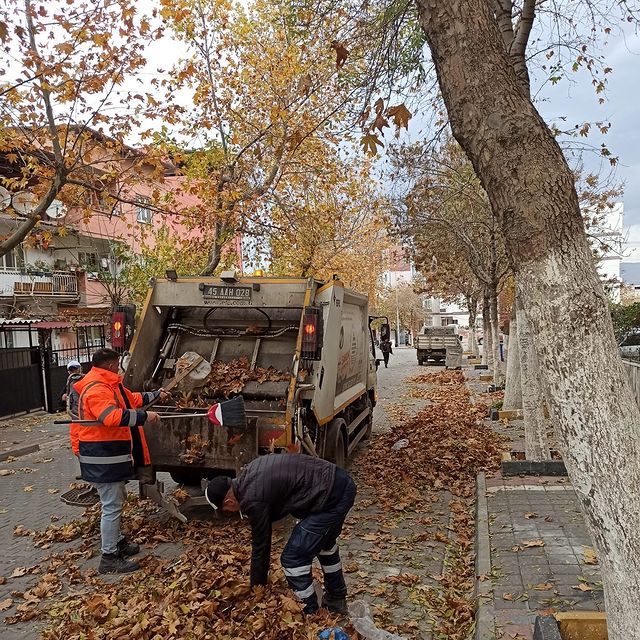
(110, 447)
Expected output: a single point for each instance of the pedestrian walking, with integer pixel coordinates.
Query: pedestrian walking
(110, 447)
(316, 492)
(385, 347)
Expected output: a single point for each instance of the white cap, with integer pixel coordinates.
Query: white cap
(73, 364)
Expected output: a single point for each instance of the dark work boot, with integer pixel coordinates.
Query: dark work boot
(126, 548)
(114, 563)
(335, 604)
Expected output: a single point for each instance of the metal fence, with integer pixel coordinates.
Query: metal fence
(21, 380)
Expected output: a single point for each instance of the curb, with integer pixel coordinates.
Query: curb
(485, 619)
(19, 451)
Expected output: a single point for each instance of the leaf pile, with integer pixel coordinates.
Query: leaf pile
(441, 378)
(203, 593)
(228, 378)
(448, 445)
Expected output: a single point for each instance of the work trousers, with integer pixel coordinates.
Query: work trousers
(112, 498)
(316, 536)
(385, 357)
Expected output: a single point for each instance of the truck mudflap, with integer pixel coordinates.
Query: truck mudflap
(196, 446)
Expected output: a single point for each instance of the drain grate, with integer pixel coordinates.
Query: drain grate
(84, 496)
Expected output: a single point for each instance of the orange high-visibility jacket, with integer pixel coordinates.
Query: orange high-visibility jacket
(109, 448)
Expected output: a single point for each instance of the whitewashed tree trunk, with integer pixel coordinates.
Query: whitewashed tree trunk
(513, 386)
(487, 346)
(536, 445)
(532, 189)
(472, 342)
(494, 326)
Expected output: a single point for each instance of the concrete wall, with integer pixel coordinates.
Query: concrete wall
(633, 369)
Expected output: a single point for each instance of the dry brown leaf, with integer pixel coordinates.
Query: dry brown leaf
(532, 543)
(28, 488)
(590, 556)
(583, 587)
(7, 472)
(530, 514)
(6, 604)
(543, 586)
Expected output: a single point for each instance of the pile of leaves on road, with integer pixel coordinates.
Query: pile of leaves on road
(448, 444)
(202, 593)
(440, 448)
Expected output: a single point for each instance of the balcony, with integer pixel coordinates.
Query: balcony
(38, 284)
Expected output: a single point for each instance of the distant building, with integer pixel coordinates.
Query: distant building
(607, 240)
(399, 268)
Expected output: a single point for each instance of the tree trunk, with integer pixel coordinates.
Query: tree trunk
(495, 338)
(472, 343)
(536, 446)
(532, 189)
(487, 347)
(513, 386)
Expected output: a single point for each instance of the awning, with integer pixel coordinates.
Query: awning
(51, 325)
(21, 323)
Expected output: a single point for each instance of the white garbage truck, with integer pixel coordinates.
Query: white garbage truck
(298, 350)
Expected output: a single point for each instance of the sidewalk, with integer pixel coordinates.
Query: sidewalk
(541, 556)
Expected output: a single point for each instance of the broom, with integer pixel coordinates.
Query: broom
(229, 413)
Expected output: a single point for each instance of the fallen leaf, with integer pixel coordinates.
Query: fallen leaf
(53, 490)
(18, 572)
(543, 586)
(508, 596)
(28, 488)
(530, 514)
(583, 587)
(6, 604)
(590, 556)
(7, 472)
(532, 543)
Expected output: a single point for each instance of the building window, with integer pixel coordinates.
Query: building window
(14, 259)
(88, 260)
(144, 213)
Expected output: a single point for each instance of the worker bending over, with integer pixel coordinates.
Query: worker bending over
(110, 446)
(312, 490)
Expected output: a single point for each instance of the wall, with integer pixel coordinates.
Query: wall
(633, 369)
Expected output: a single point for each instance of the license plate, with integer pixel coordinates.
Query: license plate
(216, 294)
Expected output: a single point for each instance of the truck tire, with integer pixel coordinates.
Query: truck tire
(336, 449)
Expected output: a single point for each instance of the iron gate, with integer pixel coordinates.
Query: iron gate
(21, 380)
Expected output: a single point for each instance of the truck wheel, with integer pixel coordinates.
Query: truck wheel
(336, 450)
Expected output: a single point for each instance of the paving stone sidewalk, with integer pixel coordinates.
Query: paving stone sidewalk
(542, 559)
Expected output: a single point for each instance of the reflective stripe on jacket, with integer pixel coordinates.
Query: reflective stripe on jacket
(109, 448)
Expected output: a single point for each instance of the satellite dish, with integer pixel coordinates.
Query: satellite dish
(5, 198)
(24, 202)
(57, 210)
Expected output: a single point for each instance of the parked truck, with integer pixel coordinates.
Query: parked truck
(298, 350)
(437, 343)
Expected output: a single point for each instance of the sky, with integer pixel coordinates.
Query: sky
(578, 103)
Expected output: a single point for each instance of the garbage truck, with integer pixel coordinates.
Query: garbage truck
(299, 351)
